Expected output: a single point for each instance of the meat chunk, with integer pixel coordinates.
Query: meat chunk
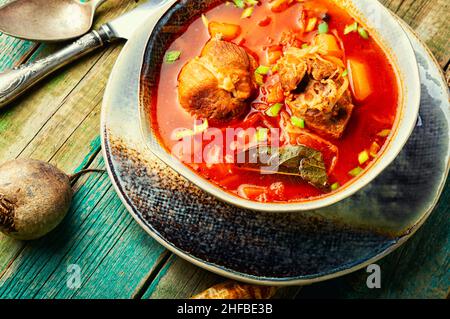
(217, 84)
(320, 68)
(291, 70)
(296, 63)
(315, 90)
(322, 108)
(318, 95)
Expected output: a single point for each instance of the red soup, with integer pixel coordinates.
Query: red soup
(279, 101)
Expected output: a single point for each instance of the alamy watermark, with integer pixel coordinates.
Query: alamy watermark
(374, 279)
(74, 277)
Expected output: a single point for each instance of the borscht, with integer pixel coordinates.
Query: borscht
(277, 100)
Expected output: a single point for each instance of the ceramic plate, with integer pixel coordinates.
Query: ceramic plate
(272, 248)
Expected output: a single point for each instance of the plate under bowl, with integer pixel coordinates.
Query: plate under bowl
(274, 249)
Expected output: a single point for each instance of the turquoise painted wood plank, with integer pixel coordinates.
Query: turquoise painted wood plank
(14, 51)
(419, 269)
(114, 254)
(179, 279)
(125, 269)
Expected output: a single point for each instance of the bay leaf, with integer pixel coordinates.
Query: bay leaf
(295, 160)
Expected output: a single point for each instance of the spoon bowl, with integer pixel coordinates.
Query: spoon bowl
(48, 20)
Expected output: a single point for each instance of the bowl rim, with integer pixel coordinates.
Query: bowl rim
(389, 152)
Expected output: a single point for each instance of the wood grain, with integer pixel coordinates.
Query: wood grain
(59, 122)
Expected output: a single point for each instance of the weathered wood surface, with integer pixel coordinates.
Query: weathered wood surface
(58, 121)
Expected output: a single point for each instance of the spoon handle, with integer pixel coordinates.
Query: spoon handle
(15, 82)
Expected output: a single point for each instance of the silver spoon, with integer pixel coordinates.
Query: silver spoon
(48, 20)
(15, 82)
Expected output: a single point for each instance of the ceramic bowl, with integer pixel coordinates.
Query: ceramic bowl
(381, 25)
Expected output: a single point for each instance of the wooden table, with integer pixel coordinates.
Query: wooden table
(58, 122)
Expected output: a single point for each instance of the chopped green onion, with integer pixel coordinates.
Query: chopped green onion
(345, 73)
(239, 4)
(305, 45)
(259, 72)
(262, 69)
(363, 157)
(274, 110)
(335, 186)
(363, 33)
(356, 171)
(259, 79)
(251, 2)
(172, 56)
(247, 13)
(323, 28)
(384, 133)
(261, 134)
(351, 28)
(298, 122)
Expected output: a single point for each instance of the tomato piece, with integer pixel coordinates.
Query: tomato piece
(265, 22)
